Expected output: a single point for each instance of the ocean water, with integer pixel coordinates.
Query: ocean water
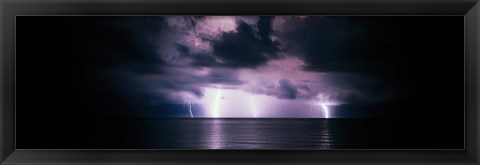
(308, 134)
(248, 134)
(261, 134)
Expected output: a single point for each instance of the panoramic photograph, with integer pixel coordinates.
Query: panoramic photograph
(240, 82)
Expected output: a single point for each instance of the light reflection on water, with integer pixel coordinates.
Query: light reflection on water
(325, 140)
(215, 140)
(283, 134)
(258, 134)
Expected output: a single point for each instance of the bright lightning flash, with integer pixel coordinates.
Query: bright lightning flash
(325, 110)
(254, 106)
(325, 102)
(216, 102)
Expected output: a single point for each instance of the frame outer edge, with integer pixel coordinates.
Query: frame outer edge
(472, 60)
(3, 154)
(2, 158)
(477, 53)
(7, 81)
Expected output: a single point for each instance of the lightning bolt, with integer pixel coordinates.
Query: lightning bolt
(189, 104)
(254, 108)
(190, 109)
(325, 110)
(216, 103)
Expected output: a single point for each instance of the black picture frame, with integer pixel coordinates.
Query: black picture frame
(11, 8)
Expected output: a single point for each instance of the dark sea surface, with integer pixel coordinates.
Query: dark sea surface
(310, 134)
(155, 133)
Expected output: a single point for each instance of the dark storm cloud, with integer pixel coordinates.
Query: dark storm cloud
(357, 45)
(222, 77)
(244, 48)
(178, 80)
(283, 89)
(156, 57)
(143, 89)
(338, 88)
(287, 89)
(183, 50)
(304, 87)
(150, 46)
(334, 43)
(353, 88)
(264, 25)
(205, 60)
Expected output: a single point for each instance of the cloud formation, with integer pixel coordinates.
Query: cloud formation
(286, 58)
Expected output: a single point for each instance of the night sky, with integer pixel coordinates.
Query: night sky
(240, 66)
